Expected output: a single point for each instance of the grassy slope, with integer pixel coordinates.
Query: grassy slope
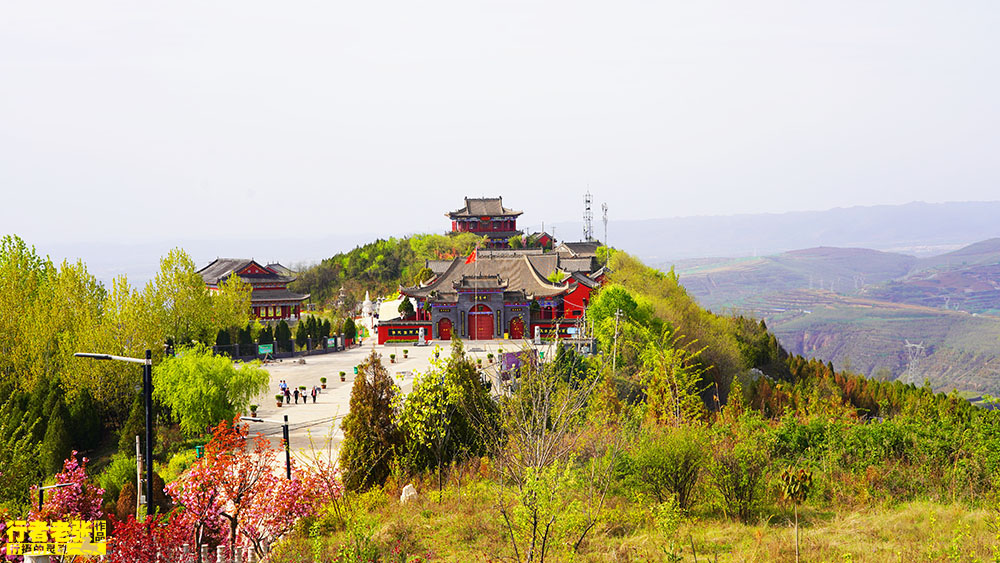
(465, 526)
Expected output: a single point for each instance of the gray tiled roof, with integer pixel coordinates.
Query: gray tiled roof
(221, 268)
(545, 263)
(578, 249)
(515, 273)
(482, 207)
(274, 295)
(583, 264)
(585, 280)
(437, 266)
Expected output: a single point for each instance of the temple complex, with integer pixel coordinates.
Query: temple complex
(270, 298)
(499, 292)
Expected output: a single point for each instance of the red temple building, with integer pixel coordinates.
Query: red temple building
(270, 298)
(500, 293)
(487, 217)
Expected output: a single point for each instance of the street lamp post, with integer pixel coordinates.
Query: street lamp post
(147, 391)
(43, 488)
(284, 432)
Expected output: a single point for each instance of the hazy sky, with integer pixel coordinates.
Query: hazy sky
(166, 120)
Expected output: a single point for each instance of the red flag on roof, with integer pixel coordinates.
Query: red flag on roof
(472, 257)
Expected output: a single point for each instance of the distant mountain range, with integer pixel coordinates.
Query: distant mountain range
(883, 314)
(915, 228)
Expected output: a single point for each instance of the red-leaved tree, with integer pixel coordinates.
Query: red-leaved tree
(78, 499)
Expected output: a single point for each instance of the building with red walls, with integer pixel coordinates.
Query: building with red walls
(270, 299)
(487, 217)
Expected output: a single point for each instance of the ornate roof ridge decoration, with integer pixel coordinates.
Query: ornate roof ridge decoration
(482, 207)
(516, 271)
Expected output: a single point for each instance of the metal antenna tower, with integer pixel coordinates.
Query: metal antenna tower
(588, 218)
(604, 210)
(914, 352)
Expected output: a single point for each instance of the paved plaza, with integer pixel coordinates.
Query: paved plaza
(320, 421)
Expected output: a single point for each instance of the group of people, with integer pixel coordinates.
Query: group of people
(289, 394)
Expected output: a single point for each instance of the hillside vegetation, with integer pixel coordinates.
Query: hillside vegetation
(633, 455)
(858, 308)
(379, 267)
(690, 435)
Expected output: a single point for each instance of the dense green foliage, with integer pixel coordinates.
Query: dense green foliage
(381, 266)
(202, 389)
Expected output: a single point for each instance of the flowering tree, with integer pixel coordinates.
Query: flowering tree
(77, 499)
(134, 540)
(200, 517)
(280, 503)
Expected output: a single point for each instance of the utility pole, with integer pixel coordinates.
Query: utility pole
(604, 210)
(614, 354)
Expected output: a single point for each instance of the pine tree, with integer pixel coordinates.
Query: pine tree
(350, 329)
(326, 330)
(85, 421)
(311, 331)
(246, 341)
(301, 335)
(283, 336)
(266, 336)
(57, 444)
(371, 436)
(222, 339)
(135, 425)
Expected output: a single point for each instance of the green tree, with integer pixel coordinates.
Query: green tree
(135, 425)
(222, 338)
(181, 299)
(202, 389)
(85, 423)
(266, 336)
(672, 376)
(371, 436)
(301, 334)
(350, 329)
(283, 336)
(20, 453)
(57, 444)
(515, 242)
(667, 462)
(448, 414)
(405, 308)
(325, 329)
(311, 327)
(245, 337)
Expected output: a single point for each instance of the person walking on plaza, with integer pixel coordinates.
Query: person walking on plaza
(315, 390)
(296, 393)
(288, 396)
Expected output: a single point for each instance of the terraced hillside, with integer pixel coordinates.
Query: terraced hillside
(859, 308)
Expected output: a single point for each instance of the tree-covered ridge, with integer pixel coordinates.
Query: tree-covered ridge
(380, 267)
(55, 403)
(662, 329)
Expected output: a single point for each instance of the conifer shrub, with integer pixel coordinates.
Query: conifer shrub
(283, 336)
(57, 444)
(371, 436)
(301, 334)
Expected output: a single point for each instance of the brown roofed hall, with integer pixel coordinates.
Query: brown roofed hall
(484, 207)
